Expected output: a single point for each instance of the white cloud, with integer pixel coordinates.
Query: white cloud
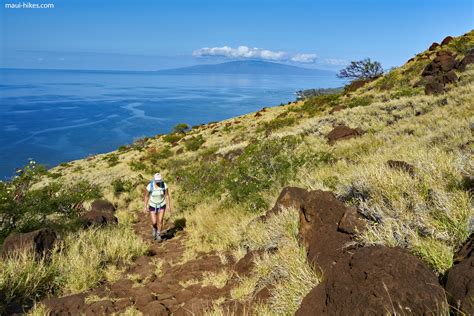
(240, 52)
(304, 58)
(245, 52)
(335, 62)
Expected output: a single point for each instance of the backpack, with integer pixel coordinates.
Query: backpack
(152, 187)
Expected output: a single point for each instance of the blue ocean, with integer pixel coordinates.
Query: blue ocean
(54, 116)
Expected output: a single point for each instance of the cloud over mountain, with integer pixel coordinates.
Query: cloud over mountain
(304, 58)
(245, 52)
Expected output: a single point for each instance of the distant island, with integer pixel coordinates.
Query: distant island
(247, 67)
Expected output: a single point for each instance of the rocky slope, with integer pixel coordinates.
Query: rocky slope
(371, 195)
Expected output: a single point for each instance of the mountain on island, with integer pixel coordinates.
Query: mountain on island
(256, 67)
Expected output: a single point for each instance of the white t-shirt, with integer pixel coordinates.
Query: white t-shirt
(157, 197)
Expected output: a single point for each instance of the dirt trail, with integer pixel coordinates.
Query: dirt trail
(169, 290)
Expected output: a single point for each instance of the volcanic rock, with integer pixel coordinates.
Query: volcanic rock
(460, 280)
(376, 280)
(433, 46)
(103, 205)
(467, 60)
(98, 218)
(40, 242)
(342, 132)
(320, 216)
(447, 40)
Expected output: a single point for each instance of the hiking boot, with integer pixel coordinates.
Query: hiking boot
(158, 238)
(154, 233)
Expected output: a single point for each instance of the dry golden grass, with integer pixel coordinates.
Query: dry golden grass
(427, 213)
(208, 228)
(131, 311)
(23, 276)
(218, 279)
(39, 310)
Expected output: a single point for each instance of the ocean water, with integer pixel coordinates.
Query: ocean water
(57, 116)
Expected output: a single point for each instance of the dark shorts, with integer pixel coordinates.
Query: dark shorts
(156, 209)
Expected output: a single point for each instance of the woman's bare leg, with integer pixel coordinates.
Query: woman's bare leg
(153, 219)
(161, 215)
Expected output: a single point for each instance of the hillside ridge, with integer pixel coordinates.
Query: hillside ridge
(274, 206)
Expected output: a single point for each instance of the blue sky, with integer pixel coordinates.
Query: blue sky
(149, 35)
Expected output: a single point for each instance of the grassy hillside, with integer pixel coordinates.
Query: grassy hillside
(223, 175)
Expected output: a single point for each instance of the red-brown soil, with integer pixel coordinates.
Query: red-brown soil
(164, 294)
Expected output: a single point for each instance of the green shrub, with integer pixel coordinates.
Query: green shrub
(361, 101)
(389, 80)
(122, 186)
(173, 137)
(265, 164)
(123, 148)
(318, 104)
(112, 159)
(137, 166)
(405, 92)
(194, 143)
(54, 175)
(154, 155)
(180, 128)
(275, 124)
(23, 209)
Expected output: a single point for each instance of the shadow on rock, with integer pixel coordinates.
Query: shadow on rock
(178, 225)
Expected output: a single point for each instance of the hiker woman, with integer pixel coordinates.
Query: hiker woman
(156, 193)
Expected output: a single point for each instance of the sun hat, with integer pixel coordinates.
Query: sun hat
(157, 177)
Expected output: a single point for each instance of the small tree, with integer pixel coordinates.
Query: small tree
(180, 128)
(362, 70)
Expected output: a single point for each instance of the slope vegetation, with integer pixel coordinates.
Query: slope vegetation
(397, 150)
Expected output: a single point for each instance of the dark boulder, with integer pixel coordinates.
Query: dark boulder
(460, 280)
(376, 280)
(402, 166)
(447, 40)
(40, 242)
(289, 197)
(244, 266)
(443, 62)
(439, 72)
(103, 205)
(351, 222)
(433, 46)
(433, 85)
(342, 132)
(66, 305)
(155, 308)
(98, 218)
(467, 60)
(324, 226)
(450, 77)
